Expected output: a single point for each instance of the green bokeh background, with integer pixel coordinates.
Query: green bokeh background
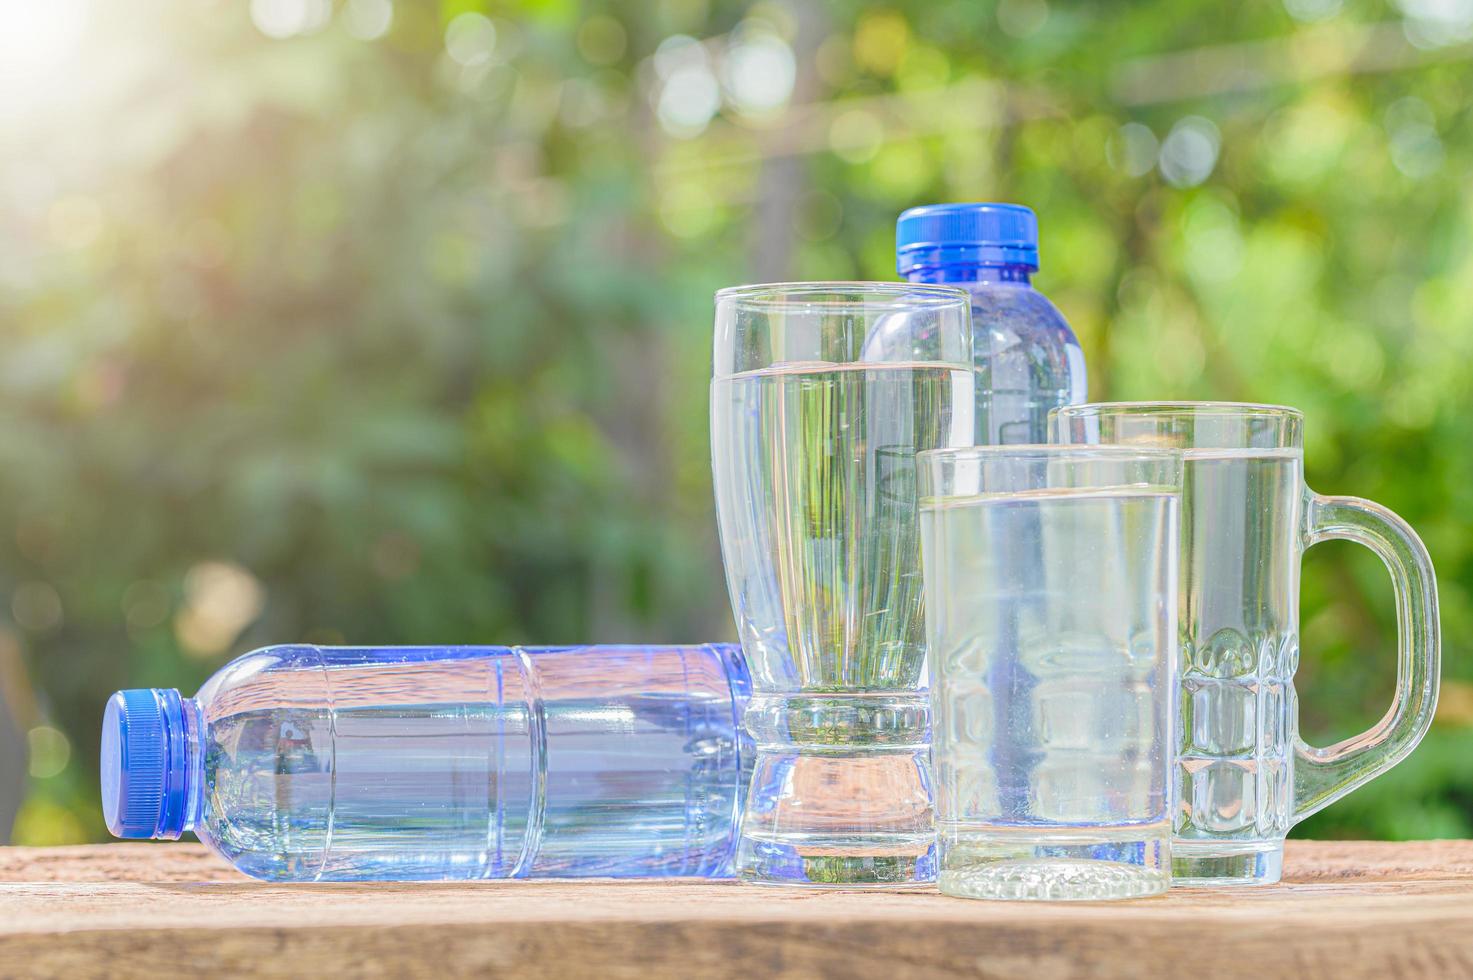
(321, 329)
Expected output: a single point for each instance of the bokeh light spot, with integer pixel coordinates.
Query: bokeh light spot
(282, 19)
(924, 69)
(1022, 18)
(582, 103)
(368, 20)
(776, 16)
(42, 822)
(1416, 149)
(1437, 23)
(36, 35)
(688, 100)
(1189, 152)
(855, 136)
(601, 40)
(880, 41)
(759, 71)
(470, 39)
(1214, 245)
(49, 750)
(1310, 11)
(220, 600)
(146, 604)
(1307, 143)
(36, 606)
(678, 51)
(1132, 149)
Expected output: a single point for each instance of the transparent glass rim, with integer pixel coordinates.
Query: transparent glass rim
(1064, 451)
(1234, 409)
(873, 296)
(1095, 467)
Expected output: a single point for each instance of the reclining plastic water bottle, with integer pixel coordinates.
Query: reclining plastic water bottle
(304, 763)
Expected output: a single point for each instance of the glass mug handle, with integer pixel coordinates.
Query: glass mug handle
(1323, 775)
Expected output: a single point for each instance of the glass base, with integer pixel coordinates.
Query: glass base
(1213, 864)
(841, 792)
(1055, 880)
(1072, 865)
(852, 864)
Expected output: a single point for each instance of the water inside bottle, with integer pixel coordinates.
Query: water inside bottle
(581, 763)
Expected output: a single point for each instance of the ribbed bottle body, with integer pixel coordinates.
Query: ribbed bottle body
(457, 763)
(1028, 361)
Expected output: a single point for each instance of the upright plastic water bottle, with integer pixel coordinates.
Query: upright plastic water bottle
(1027, 360)
(304, 763)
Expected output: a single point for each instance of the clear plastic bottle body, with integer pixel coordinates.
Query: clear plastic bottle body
(1028, 361)
(353, 764)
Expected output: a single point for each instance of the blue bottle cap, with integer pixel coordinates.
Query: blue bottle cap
(144, 763)
(939, 235)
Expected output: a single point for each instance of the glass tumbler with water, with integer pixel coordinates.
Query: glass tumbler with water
(1244, 776)
(822, 395)
(1051, 608)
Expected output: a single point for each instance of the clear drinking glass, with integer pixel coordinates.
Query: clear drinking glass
(1244, 776)
(1051, 608)
(822, 395)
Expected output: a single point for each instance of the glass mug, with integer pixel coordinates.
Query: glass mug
(1051, 611)
(821, 396)
(1244, 776)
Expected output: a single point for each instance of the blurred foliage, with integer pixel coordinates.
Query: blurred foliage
(359, 322)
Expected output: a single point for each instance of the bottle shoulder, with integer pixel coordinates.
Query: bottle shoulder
(1019, 309)
(259, 673)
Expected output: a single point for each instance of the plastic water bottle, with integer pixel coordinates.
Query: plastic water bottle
(1027, 360)
(304, 763)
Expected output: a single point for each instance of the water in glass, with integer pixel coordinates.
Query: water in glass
(1052, 637)
(815, 471)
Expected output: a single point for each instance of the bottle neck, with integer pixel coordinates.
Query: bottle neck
(970, 274)
(194, 764)
(182, 766)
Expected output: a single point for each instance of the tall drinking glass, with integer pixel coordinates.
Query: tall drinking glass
(1244, 776)
(1051, 610)
(822, 395)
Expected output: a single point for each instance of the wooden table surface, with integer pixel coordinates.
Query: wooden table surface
(1345, 910)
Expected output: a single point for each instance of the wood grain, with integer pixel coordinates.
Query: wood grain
(1345, 910)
